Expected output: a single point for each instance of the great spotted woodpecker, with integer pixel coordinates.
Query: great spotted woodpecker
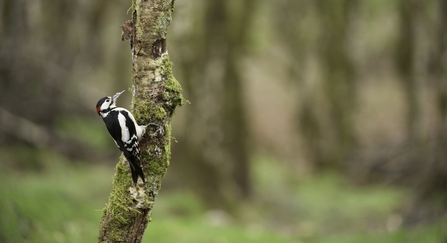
(124, 130)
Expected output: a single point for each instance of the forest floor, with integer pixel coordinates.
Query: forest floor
(63, 203)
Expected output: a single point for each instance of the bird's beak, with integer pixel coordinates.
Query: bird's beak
(115, 97)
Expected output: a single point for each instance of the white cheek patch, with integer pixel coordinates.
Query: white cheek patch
(124, 130)
(105, 105)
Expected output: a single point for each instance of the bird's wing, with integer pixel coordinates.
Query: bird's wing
(131, 144)
(113, 126)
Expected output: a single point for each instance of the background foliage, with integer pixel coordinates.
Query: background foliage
(308, 120)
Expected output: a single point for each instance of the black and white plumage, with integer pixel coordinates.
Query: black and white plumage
(124, 130)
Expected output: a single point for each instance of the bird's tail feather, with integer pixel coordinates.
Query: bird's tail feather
(136, 170)
(139, 172)
(134, 176)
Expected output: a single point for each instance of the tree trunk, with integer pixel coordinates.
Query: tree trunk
(216, 138)
(404, 61)
(156, 94)
(338, 86)
(429, 198)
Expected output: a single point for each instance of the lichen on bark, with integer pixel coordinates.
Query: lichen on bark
(156, 94)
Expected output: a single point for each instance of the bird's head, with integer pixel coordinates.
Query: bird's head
(107, 103)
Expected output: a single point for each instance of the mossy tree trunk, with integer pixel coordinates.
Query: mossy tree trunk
(156, 94)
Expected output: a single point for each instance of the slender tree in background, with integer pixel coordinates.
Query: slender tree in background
(156, 94)
(407, 11)
(338, 79)
(234, 110)
(431, 183)
(326, 112)
(215, 141)
(299, 40)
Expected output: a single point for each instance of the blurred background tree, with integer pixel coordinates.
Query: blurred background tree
(292, 103)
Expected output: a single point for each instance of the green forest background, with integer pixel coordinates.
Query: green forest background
(307, 121)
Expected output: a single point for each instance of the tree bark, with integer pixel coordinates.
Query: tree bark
(156, 94)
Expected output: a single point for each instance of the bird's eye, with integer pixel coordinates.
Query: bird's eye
(108, 100)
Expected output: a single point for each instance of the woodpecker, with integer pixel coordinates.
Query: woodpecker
(124, 130)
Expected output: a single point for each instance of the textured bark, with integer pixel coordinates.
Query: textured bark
(156, 94)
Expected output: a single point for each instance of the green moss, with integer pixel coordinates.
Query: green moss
(157, 165)
(140, 110)
(154, 167)
(120, 208)
(132, 7)
(167, 146)
(171, 84)
(119, 201)
(144, 113)
(158, 113)
(158, 155)
(173, 90)
(118, 233)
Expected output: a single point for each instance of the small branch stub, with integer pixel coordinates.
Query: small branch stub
(127, 28)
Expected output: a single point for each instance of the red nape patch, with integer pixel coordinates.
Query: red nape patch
(98, 108)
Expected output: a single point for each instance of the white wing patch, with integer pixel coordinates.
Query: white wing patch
(130, 142)
(124, 130)
(139, 129)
